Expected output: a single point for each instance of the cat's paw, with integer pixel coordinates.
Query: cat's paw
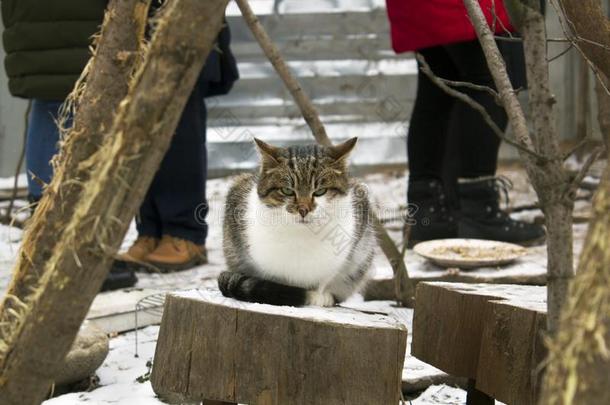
(320, 299)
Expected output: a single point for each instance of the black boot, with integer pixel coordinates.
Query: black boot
(121, 275)
(429, 213)
(482, 218)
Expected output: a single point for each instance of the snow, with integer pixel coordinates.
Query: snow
(388, 191)
(336, 315)
(262, 7)
(119, 373)
(9, 246)
(7, 183)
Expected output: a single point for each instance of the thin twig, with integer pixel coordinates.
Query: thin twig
(478, 87)
(576, 147)
(560, 54)
(519, 39)
(425, 68)
(592, 158)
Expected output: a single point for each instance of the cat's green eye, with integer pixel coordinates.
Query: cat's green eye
(287, 191)
(320, 192)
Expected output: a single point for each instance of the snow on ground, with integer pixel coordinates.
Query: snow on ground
(6, 183)
(120, 373)
(9, 246)
(121, 369)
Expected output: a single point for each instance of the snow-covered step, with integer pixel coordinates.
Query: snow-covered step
(330, 68)
(283, 26)
(325, 80)
(264, 7)
(367, 46)
(231, 148)
(336, 109)
(378, 86)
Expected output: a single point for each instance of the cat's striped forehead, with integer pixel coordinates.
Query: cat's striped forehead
(306, 162)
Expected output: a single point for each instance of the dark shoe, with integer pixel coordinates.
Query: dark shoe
(482, 218)
(122, 275)
(429, 214)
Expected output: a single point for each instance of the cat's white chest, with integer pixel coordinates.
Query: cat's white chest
(301, 254)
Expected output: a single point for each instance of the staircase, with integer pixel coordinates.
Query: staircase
(340, 50)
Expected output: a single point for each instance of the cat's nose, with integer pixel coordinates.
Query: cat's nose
(303, 211)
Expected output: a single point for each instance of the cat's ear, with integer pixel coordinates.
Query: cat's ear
(341, 151)
(270, 155)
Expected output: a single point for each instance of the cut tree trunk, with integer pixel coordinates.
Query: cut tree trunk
(490, 334)
(214, 348)
(121, 172)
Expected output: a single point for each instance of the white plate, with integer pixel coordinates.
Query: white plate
(469, 253)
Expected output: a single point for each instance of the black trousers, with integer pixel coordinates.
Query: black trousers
(176, 203)
(448, 139)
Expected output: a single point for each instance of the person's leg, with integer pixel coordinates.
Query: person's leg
(180, 183)
(426, 143)
(479, 190)
(179, 193)
(478, 144)
(147, 220)
(42, 139)
(427, 137)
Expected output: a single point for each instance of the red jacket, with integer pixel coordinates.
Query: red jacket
(418, 24)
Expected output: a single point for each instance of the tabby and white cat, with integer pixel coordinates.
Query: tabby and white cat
(298, 232)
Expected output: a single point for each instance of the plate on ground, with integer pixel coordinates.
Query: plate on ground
(469, 253)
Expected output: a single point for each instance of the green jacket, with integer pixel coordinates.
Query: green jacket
(47, 44)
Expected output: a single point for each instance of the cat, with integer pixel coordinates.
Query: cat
(298, 231)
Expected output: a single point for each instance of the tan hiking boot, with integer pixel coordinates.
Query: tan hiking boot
(141, 248)
(174, 254)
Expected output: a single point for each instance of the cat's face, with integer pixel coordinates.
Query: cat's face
(301, 178)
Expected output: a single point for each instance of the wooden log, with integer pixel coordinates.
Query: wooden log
(491, 334)
(214, 348)
(512, 350)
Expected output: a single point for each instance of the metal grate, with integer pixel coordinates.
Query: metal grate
(151, 304)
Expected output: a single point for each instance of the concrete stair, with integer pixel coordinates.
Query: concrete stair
(341, 52)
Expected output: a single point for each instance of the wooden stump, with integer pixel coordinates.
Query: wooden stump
(214, 348)
(490, 334)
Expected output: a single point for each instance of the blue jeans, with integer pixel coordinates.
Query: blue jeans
(41, 144)
(175, 203)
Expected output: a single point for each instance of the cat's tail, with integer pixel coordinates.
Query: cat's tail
(254, 289)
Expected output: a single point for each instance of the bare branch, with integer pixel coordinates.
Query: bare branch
(560, 54)
(444, 85)
(576, 147)
(592, 158)
(469, 85)
(519, 39)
